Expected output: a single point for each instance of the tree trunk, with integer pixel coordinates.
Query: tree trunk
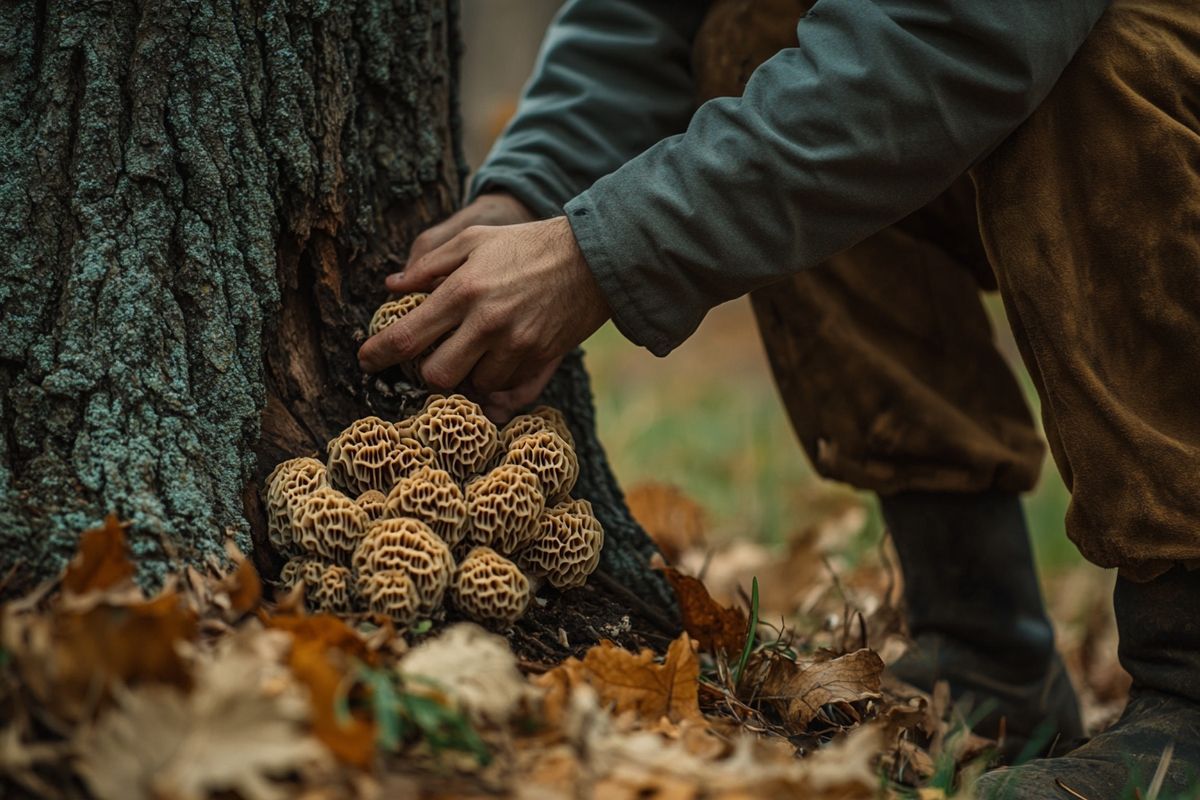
(198, 203)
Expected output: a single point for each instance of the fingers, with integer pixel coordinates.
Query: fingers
(433, 238)
(421, 272)
(495, 370)
(528, 382)
(411, 335)
(452, 361)
(494, 208)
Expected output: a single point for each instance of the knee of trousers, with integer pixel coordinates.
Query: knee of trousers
(1090, 214)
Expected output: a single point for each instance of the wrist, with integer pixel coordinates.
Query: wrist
(506, 205)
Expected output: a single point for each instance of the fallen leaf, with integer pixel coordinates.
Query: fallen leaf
(101, 561)
(20, 760)
(71, 659)
(323, 655)
(919, 762)
(629, 682)
(674, 521)
(323, 629)
(798, 689)
(476, 669)
(754, 767)
(241, 588)
(240, 728)
(716, 628)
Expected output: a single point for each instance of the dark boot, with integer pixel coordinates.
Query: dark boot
(1159, 624)
(975, 613)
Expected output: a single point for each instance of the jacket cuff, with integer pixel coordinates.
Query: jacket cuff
(599, 240)
(535, 187)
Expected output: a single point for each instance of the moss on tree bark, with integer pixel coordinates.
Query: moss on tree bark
(198, 202)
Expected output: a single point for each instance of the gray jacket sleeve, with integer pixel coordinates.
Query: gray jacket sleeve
(880, 107)
(612, 79)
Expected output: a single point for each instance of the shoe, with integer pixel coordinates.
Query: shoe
(975, 613)
(1159, 626)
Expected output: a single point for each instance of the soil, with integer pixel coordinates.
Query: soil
(563, 624)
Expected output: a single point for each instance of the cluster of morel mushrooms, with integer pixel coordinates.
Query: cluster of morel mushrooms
(404, 514)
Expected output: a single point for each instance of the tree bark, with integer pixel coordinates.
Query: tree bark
(198, 203)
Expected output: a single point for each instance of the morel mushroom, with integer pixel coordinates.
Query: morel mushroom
(371, 454)
(393, 310)
(567, 548)
(289, 483)
(464, 439)
(300, 569)
(433, 497)
(407, 545)
(326, 586)
(542, 418)
(329, 524)
(391, 593)
(331, 592)
(488, 586)
(373, 502)
(548, 456)
(503, 508)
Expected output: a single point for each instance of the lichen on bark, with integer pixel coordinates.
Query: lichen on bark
(166, 168)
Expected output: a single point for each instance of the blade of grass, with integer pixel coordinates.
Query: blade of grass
(751, 631)
(1160, 774)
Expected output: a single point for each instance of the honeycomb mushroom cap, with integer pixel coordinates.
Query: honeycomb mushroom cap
(289, 483)
(548, 456)
(567, 548)
(300, 569)
(329, 524)
(487, 586)
(371, 454)
(391, 593)
(503, 508)
(372, 501)
(542, 418)
(327, 587)
(464, 439)
(407, 545)
(406, 428)
(432, 496)
(393, 310)
(332, 591)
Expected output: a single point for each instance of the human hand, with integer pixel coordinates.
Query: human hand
(514, 299)
(495, 208)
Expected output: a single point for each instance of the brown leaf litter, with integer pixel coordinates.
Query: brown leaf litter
(211, 688)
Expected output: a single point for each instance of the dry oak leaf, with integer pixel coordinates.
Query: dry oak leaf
(101, 561)
(632, 682)
(674, 521)
(241, 726)
(715, 627)
(798, 689)
(324, 652)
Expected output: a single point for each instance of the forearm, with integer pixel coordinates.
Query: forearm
(613, 78)
(880, 108)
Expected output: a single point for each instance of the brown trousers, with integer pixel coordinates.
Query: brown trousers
(1087, 220)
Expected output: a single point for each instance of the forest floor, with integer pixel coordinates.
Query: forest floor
(218, 686)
